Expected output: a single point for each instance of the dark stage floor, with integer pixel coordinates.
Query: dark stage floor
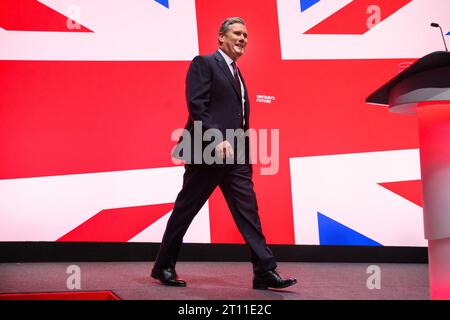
(222, 280)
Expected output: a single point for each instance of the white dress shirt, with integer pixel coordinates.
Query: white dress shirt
(229, 61)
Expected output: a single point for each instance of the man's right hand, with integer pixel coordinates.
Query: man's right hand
(224, 149)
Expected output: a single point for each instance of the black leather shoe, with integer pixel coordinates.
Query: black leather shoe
(271, 279)
(168, 277)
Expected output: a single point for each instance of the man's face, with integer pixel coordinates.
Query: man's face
(234, 41)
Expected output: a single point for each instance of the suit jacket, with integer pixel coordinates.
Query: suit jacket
(213, 98)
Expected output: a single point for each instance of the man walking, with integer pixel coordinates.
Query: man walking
(217, 98)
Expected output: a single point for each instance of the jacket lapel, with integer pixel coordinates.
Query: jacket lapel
(247, 104)
(224, 67)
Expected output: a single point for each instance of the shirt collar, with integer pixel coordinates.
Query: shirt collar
(228, 60)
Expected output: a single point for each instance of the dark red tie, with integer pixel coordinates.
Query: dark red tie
(238, 85)
(236, 78)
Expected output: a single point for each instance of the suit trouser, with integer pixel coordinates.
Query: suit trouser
(235, 182)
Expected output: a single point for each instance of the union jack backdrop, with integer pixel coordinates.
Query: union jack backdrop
(91, 91)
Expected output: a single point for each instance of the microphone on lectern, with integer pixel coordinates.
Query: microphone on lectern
(436, 25)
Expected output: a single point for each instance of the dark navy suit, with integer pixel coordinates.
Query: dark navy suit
(213, 98)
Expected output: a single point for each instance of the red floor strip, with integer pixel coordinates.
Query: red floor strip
(78, 295)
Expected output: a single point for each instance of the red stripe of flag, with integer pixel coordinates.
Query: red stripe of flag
(410, 190)
(31, 15)
(352, 19)
(117, 225)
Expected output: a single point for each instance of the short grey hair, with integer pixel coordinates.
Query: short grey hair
(228, 22)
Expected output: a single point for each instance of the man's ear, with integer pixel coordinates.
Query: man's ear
(221, 38)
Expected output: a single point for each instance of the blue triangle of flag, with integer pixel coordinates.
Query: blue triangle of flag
(305, 4)
(332, 232)
(165, 3)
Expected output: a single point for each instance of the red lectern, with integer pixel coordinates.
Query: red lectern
(424, 89)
